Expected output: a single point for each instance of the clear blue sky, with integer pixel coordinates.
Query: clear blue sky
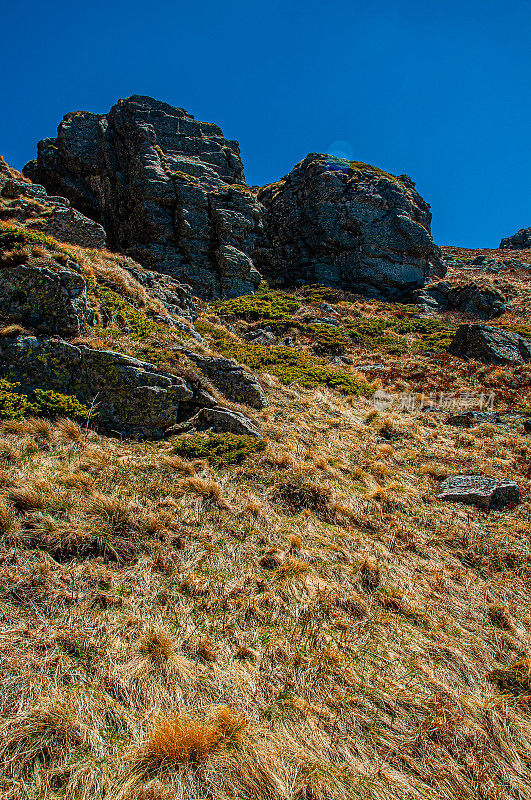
(438, 90)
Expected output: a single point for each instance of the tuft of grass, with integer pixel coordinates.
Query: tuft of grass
(158, 644)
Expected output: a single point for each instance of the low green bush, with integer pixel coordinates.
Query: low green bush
(38, 403)
(220, 449)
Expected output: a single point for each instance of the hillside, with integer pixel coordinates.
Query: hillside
(289, 614)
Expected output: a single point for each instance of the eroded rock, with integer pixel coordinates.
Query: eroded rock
(521, 240)
(230, 378)
(168, 189)
(40, 295)
(483, 302)
(348, 225)
(218, 420)
(490, 345)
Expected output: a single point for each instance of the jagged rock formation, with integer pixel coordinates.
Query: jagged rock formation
(349, 225)
(169, 191)
(490, 345)
(43, 296)
(52, 216)
(521, 240)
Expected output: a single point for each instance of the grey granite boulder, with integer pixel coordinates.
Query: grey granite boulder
(169, 190)
(490, 345)
(483, 302)
(230, 378)
(129, 396)
(479, 490)
(43, 296)
(218, 420)
(521, 240)
(349, 225)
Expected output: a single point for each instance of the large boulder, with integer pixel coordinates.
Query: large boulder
(349, 225)
(490, 345)
(169, 191)
(521, 240)
(129, 396)
(41, 295)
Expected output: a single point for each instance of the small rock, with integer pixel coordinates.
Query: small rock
(479, 490)
(219, 420)
(469, 418)
(527, 426)
(230, 378)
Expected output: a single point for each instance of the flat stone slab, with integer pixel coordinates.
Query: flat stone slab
(479, 490)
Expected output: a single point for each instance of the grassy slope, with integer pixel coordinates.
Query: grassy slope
(310, 623)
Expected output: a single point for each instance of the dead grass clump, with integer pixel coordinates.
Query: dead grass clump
(27, 498)
(436, 471)
(176, 464)
(158, 644)
(370, 575)
(184, 738)
(7, 517)
(8, 454)
(499, 616)
(117, 513)
(296, 493)
(154, 790)
(515, 679)
(208, 489)
(69, 430)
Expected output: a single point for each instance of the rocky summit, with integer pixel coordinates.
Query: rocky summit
(521, 240)
(168, 189)
(170, 192)
(350, 225)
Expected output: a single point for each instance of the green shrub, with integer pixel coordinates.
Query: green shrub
(287, 363)
(38, 403)
(11, 237)
(267, 305)
(220, 449)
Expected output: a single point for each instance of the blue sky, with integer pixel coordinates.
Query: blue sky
(438, 90)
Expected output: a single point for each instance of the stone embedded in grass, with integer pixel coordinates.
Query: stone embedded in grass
(230, 378)
(469, 418)
(479, 490)
(218, 420)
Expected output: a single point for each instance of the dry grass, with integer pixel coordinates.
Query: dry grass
(366, 641)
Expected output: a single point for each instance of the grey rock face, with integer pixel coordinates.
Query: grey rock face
(490, 345)
(218, 420)
(349, 225)
(130, 396)
(480, 491)
(50, 300)
(230, 378)
(168, 189)
(60, 220)
(521, 240)
(478, 301)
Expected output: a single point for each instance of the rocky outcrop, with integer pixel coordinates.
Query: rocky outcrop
(479, 490)
(521, 240)
(128, 396)
(54, 216)
(490, 345)
(231, 378)
(349, 225)
(482, 302)
(169, 191)
(41, 295)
